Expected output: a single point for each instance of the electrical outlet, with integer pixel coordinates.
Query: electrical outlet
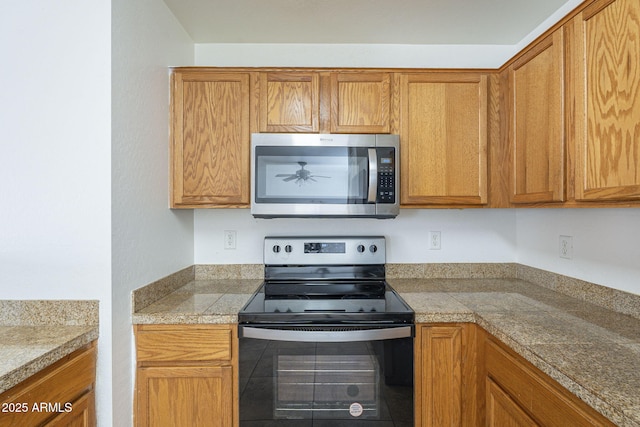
(434, 240)
(566, 247)
(230, 239)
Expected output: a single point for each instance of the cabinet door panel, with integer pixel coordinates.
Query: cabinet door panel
(185, 396)
(211, 139)
(82, 415)
(502, 411)
(537, 123)
(360, 102)
(289, 102)
(440, 375)
(443, 139)
(606, 71)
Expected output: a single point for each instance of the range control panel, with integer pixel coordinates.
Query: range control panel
(319, 250)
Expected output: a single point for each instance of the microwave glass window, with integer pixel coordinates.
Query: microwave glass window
(311, 174)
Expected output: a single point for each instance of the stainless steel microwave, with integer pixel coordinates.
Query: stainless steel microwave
(324, 175)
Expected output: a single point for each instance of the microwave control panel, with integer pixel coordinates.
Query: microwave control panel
(386, 175)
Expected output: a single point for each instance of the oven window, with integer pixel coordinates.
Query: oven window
(312, 384)
(311, 175)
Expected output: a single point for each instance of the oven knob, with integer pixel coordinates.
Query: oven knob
(360, 248)
(288, 249)
(276, 248)
(373, 249)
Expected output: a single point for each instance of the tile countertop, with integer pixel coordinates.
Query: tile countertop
(36, 334)
(592, 351)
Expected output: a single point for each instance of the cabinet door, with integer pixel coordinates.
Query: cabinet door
(536, 131)
(211, 139)
(606, 76)
(441, 376)
(83, 413)
(443, 122)
(502, 411)
(289, 102)
(360, 102)
(185, 396)
(446, 382)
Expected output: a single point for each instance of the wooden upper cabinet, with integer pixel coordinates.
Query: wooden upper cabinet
(536, 123)
(289, 102)
(443, 136)
(605, 45)
(210, 139)
(360, 102)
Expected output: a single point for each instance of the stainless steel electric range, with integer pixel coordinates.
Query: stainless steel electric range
(325, 338)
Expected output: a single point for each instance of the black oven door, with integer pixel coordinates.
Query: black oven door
(301, 376)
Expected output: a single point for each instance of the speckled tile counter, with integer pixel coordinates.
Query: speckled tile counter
(591, 350)
(36, 334)
(199, 301)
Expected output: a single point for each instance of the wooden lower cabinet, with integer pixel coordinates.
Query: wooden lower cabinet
(186, 375)
(445, 375)
(466, 377)
(185, 396)
(519, 394)
(61, 395)
(83, 414)
(502, 410)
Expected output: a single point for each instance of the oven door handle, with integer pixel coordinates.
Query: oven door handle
(326, 336)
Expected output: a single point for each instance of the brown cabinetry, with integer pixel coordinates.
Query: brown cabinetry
(186, 375)
(360, 102)
(325, 101)
(519, 394)
(443, 135)
(536, 122)
(445, 375)
(60, 395)
(211, 131)
(289, 102)
(606, 85)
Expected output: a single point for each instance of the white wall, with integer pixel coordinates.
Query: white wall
(606, 244)
(150, 241)
(470, 235)
(353, 55)
(55, 177)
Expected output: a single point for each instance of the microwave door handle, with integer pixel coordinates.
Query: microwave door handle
(373, 175)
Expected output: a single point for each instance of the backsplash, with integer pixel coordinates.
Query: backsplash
(609, 298)
(603, 296)
(48, 313)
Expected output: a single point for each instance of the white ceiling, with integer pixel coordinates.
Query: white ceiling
(423, 22)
